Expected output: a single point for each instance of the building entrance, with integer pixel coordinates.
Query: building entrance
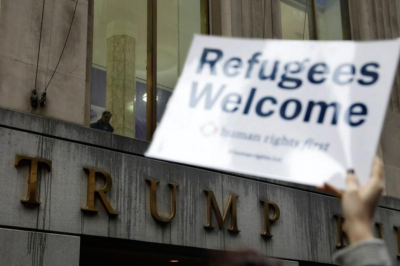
(101, 251)
(106, 251)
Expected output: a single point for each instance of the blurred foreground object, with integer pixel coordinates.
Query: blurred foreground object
(301, 112)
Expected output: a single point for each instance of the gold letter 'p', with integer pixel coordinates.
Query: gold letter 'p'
(267, 218)
(92, 192)
(33, 177)
(153, 201)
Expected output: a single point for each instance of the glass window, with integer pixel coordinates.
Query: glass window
(297, 19)
(332, 21)
(119, 70)
(119, 66)
(177, 22)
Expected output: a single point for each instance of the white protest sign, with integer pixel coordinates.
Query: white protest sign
(298, 111)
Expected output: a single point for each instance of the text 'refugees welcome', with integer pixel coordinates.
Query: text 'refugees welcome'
(285, 76)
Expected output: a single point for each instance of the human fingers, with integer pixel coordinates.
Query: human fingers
(351, 181)
(376, 182)
(331, 189)
(375, 186)
(377, 169)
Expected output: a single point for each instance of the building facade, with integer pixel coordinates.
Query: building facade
(73, 195)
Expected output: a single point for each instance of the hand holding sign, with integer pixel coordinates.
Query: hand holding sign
(359, 204)
(291, 110)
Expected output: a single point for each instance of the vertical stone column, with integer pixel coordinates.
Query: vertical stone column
(121, 76)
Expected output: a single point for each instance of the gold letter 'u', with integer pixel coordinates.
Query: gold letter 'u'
(153, 201)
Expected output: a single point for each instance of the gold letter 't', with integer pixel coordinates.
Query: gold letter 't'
(32, 180)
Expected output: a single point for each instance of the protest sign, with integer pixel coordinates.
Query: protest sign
(298, 111)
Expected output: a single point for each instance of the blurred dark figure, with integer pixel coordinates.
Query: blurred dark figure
(104, 123)
(245, 258)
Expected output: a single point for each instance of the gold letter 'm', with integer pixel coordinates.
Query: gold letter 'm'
(32, 180)
(230, 206)
(92, 192)
(267, 218)
(153, 201)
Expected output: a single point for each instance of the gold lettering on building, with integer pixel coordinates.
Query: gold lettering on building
(379, 226)
(271, 211)
(340, 233)
(230, 207)
(397, 228)
(267, 206)
(153, 201)
(92, 192)
(31, 198)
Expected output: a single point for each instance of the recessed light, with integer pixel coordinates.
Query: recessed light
(174, 261)
(144, 97)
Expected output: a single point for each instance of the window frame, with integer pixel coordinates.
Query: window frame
(151, 90)
(344, 17)
(151, 75)
(314, 22)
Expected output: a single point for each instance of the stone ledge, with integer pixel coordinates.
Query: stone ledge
(19, 120)
(60, 129)
(68, 131)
